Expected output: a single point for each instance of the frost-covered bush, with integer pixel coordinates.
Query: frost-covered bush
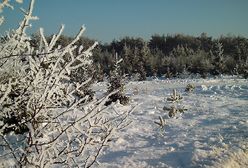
(43, 121)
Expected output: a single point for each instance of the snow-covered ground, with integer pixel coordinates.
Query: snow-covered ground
(213, 132)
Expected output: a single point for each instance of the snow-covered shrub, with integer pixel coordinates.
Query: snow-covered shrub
(161, 122)
(162, 125)
(43, 121)
(190, 88)
(175, 96)
(173, 109)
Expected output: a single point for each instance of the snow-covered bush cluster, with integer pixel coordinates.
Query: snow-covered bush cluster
(43, 121)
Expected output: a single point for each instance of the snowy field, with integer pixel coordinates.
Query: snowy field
(213, 132)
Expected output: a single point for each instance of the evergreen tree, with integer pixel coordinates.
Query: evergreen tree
(140, 63)
(145, 58)
(116, 87)
(218, 58)
(126, 64)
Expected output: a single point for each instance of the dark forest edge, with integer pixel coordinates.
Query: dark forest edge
(168, 56)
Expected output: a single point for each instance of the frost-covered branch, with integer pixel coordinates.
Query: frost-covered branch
(27, 17)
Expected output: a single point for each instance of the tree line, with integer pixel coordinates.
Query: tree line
(169, 55)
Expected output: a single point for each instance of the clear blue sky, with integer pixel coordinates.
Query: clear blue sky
(106, 20)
